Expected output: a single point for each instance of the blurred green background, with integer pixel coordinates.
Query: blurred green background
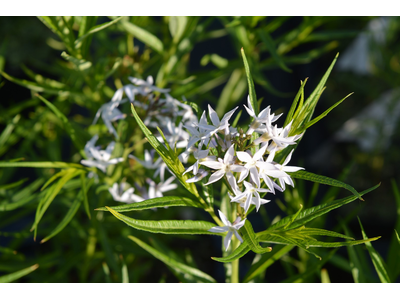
(199, 58)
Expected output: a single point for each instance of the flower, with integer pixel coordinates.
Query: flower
(109, 113)
(198, 133)
(231, 228)
(251, 164)
(199, 176)
(156, 190)
(117, 192)
(263, 117)
(200, 155)
(224, 167)
(217, 124)
(284, 177)
(100, 158)
(250, 193)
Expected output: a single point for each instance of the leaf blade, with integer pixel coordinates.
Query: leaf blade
(167, 226)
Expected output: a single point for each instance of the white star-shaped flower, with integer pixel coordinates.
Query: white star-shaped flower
(100, 158)
(250, 193)
(224, 167)
(118, 193)
(231, 228)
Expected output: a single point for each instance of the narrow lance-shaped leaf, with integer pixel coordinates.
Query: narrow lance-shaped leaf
(97, 28)
(167, 226)
(236, 254)
(315, 120)
(250, 237)
(167, 155)
(377, 260)
(85, 189)
(177, 266)
(80, 64)
(67, 126)
(144, 36)
(39, 164)
(35, 86)
(268, 41)
(22, 197)
(17, 275)
(70, 214)
(323, 180)
(252, 90)
(52, 193)
(169, 201)
(309, 214)
(8, 130)
(295, 103)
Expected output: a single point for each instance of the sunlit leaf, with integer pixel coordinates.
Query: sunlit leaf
(144, 36)
(168, 201)
(323, 180)
(236, 254)
(377, 260)
(310, 214)
(17, 275)
(167, 226)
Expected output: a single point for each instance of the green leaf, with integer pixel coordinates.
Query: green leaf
(236, 254)
(70, 214)
(393, 257)
(307, 110)
(317, 231)
(167, 226)
(252, 91)
(177, 266)
(325, 276)
(38, 164)
(294, 217)
(231, 92)
(22, 197)
(281, 238)
(315, 120)
(16, 275)
(250, 237)
(323, 180)
(355, 264)
(300, 94)
(97, 28)
(177, 25)
(267, 260)
(155, 203)
(309, 214)
(80, 64)
(377, 260)
(144, 36)
(84, 194)
(8, 130)
(268, 41)
(35, 86)
(167, 155)
(52, 192)
(79, 144)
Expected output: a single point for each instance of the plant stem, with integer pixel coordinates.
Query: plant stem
(235, 244)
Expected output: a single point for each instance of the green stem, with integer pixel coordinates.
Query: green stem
(235, 244)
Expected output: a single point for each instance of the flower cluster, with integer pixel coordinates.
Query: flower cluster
(161, 110)
(247, 166)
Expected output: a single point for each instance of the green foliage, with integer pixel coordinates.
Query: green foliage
(79, 80)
